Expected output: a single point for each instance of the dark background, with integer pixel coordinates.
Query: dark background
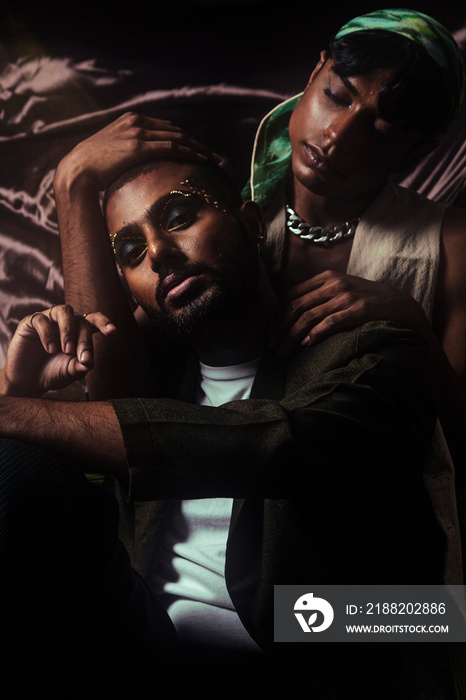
(213, 67)
(250, 42)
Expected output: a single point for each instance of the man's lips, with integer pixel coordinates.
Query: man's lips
(175, 285)
(317, 159)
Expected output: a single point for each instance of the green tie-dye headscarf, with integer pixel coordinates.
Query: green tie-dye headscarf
(429, 34)
(272, 150)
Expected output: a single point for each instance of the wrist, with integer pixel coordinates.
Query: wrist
(4, 384)
(9, 389)
(6, 387)
(72, 179)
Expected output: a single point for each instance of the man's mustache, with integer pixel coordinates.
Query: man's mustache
(171, 276)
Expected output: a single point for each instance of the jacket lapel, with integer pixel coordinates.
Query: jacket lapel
(270, 383)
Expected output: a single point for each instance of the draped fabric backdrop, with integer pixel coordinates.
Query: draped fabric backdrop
(213, 67)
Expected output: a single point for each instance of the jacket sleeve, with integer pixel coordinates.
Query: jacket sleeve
(354, 405)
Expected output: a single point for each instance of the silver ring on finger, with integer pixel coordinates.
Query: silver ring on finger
(88, 313)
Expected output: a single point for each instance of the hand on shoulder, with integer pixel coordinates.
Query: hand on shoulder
(332, 301)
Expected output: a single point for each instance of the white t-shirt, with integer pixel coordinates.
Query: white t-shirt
(190, 573)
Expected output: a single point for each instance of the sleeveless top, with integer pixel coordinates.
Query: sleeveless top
(398, 242)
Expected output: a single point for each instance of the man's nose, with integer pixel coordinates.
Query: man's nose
(162, 247)
(344, 131)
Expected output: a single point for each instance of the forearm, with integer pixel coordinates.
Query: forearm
(330, 428)
(92, 282)
(87, 432)
(90, 274)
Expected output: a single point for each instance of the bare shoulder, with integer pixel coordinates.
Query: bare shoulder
(454, 228)
(453, 246)
(449, 320)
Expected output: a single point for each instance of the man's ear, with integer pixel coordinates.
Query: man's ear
(418, 153)
(251, 216)
(318, 68)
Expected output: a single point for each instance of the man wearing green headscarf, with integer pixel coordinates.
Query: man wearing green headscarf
(382, 93)
(344, 243)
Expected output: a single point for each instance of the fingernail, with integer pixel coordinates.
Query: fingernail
(306, 341)
(86, 356)
(69, 347)
(110, 327)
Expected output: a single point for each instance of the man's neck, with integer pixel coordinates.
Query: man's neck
(241, 337)
(320, 210)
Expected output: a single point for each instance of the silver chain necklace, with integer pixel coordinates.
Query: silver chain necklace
(320, 235)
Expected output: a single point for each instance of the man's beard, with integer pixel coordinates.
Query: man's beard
(231, 286)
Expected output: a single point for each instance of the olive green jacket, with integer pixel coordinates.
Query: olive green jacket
(325, 463)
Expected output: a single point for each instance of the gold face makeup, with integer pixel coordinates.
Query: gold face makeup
(195, 189)
(139, 246)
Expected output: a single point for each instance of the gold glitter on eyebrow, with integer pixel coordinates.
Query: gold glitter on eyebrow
(195, 189)
(170, 197)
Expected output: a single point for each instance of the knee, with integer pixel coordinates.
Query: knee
(25, 466)
(49, 508)
(36, 483)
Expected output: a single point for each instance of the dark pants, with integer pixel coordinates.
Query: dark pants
(79, 622)
(71, 605)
